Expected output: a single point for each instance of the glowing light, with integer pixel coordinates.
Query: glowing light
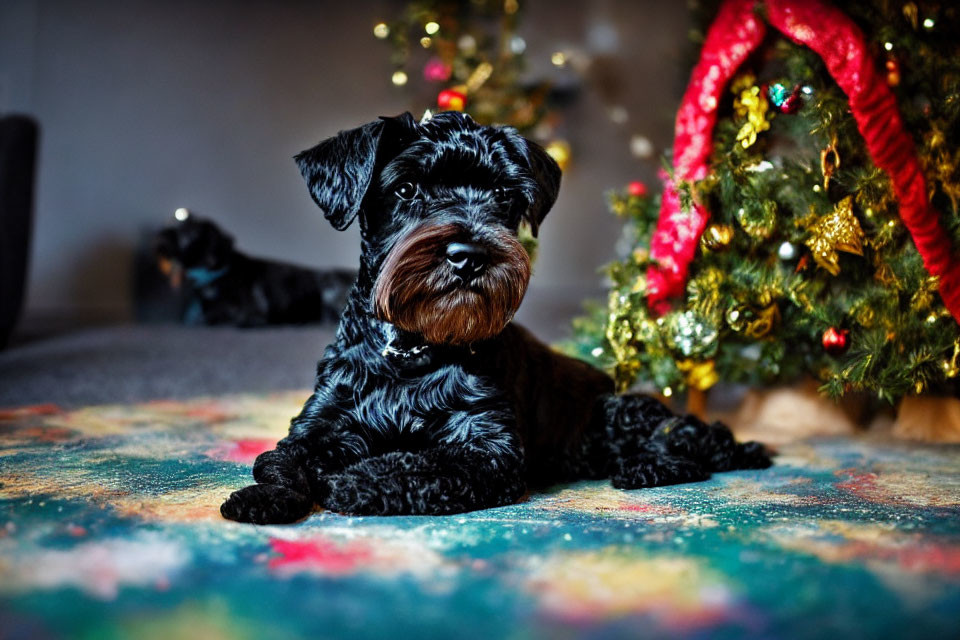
(928, 23)
(381, 30)
(467, 44)
(667, 392)
(399, 78)
(431, 28)
(559, 58)
(426, 41)
(597, 352)
(888, 46)
(181, 214)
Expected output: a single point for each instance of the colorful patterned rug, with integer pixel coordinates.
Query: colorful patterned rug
(109, 528)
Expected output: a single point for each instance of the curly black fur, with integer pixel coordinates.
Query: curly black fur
(222, 286)
(398, 425)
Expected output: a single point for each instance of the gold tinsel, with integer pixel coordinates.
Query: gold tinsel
(703, 292)
(837, 231)
(752, 105)
(885, 275)
(621, 339)
(924, 296)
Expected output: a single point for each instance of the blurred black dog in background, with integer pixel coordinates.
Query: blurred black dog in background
(222, 286)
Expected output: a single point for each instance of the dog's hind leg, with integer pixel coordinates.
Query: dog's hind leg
(652, 447)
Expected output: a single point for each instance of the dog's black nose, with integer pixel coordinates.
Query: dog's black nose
(467, 260)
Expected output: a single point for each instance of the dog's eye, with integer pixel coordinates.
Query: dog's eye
(501, 194)
(406, 191)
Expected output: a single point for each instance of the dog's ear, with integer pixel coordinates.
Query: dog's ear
(546, 173)
(338, 171)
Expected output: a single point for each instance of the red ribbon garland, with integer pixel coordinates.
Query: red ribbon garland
(734, 35)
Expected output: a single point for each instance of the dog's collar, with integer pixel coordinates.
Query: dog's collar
(201, 276)
(414, 356)
(408, 351)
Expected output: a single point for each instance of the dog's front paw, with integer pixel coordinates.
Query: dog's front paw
(266, 504)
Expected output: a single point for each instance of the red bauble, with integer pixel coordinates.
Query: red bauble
(836, 341)
(637, 189)
(792, 103)
(451, 100)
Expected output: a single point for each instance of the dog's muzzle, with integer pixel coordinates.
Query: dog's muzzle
(452, 285)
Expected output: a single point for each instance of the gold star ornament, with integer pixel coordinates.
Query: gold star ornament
(836, 231)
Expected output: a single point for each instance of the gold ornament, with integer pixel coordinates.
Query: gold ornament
(910, 12)
(754, 323)
(559, 150)
(764, 322)
(717, 237)
(837, 231)
(752, 105)
(699, 375)
(863, 314)
(951, 366)
(829, 161)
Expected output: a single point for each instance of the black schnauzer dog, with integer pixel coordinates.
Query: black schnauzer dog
(430, 401)
(222, 286)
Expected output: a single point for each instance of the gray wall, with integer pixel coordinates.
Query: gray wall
(148, 105)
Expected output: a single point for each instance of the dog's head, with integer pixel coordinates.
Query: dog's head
(192, 246)
(440, 203)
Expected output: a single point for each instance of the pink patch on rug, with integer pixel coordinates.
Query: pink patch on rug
(318, 554)
(926, 558)
(242, 451)
(861, 484)
(31, 410)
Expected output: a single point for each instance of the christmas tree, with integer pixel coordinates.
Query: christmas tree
(809, 224)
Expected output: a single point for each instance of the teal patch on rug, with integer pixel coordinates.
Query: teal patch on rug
(109, 528)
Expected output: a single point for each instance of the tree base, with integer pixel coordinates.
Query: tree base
(928, 419)
(786, 414)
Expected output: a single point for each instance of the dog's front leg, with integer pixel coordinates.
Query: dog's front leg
(439, 480)
(286, 476)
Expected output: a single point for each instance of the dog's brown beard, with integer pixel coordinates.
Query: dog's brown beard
(418, 292)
